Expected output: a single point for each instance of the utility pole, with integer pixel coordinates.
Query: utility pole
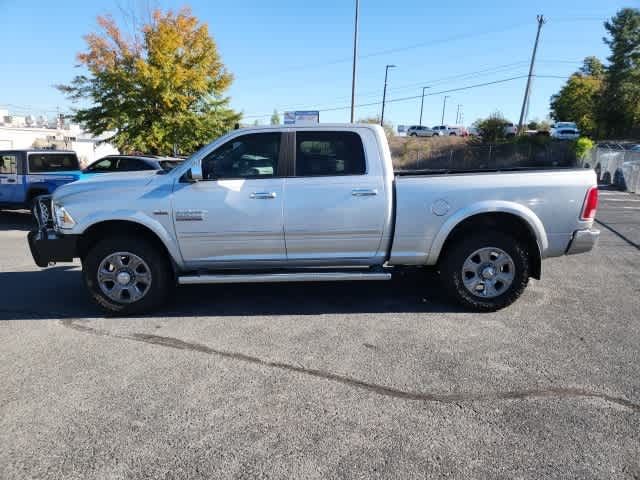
(422, 104)
(444, 105)
(384, 92)
(527, 91)
(355, 61)
(458, 114)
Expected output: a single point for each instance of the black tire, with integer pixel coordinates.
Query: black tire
(453, 134)
(413, 134)
(456, 254)
(162, 278)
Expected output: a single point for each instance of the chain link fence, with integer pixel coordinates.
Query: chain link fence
(468, 157)
(615, 166)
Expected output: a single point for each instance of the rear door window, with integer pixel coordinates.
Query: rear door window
(52, 162)
(329, 154)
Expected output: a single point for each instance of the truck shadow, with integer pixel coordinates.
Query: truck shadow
(16, 220)
(58, 292)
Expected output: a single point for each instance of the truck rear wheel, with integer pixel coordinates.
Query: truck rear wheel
(126, 275)
(485, 272)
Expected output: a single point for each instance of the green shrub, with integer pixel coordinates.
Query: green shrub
(492, 128)
(582, 146)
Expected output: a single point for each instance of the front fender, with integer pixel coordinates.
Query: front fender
(490, 206)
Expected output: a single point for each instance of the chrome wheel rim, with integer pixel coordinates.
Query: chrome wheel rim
(124, 277)
(488, 272)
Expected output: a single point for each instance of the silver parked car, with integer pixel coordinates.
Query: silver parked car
(420, 131)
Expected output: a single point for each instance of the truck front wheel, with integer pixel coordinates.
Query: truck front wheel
(485, 272)
(126, 275)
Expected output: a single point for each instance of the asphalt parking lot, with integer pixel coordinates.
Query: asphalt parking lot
(368, 380)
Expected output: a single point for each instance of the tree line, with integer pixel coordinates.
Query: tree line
(604, 100)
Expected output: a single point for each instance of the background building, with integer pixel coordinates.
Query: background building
(20, 131)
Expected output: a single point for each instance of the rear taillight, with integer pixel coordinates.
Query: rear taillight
(590, 204)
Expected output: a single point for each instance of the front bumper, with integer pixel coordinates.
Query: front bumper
(49, 247)
(583, 241)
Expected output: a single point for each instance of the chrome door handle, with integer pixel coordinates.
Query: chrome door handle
(364, 192)
(263, 195)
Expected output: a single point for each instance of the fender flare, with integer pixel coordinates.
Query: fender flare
(491, 206)
(138, 218)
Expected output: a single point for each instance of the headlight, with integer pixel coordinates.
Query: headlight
(62, 218)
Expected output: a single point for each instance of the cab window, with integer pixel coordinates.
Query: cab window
(248, 156)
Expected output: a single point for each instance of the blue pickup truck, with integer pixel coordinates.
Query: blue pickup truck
(25, 174)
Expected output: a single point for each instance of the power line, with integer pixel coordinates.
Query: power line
(405, 99)
(433, 82)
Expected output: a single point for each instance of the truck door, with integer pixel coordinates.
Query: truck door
(335, 203)
(10, 184)
(234, 215)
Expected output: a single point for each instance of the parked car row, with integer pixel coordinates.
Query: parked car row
(27, 174)
(437, 131)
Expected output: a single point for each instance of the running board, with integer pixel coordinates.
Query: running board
(284, 277)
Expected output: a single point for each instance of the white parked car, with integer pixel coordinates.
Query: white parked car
(565, 131)
(420, 131)
(510, 130)
(450, 131)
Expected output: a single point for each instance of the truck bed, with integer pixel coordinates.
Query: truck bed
(429, 204)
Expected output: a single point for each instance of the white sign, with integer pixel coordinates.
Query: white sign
(311, 117)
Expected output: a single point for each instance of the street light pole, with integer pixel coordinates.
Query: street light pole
(444, 105)
(384, 92)
(355, 61)
(422, 105)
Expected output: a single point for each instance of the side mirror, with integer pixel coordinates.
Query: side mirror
(196, 172)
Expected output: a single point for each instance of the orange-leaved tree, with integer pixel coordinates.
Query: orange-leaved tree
(160, 92)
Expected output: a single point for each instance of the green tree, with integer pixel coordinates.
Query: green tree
(577, 100)
(620, 106)
(160, 91)
(275, 118)
(492, 128)
(592, 66)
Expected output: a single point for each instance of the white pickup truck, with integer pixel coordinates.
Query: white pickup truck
(312, 203)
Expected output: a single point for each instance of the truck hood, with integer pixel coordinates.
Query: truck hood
(106, 184)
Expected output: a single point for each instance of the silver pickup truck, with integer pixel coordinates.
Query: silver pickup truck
(316, 203)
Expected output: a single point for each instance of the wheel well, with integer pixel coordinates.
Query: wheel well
(34, 192)
(102, 230)
(506, 223)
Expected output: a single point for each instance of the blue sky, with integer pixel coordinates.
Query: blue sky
(289, 54)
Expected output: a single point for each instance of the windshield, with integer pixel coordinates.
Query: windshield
(52, 162)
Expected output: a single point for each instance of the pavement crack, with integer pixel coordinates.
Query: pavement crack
(447, 398)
